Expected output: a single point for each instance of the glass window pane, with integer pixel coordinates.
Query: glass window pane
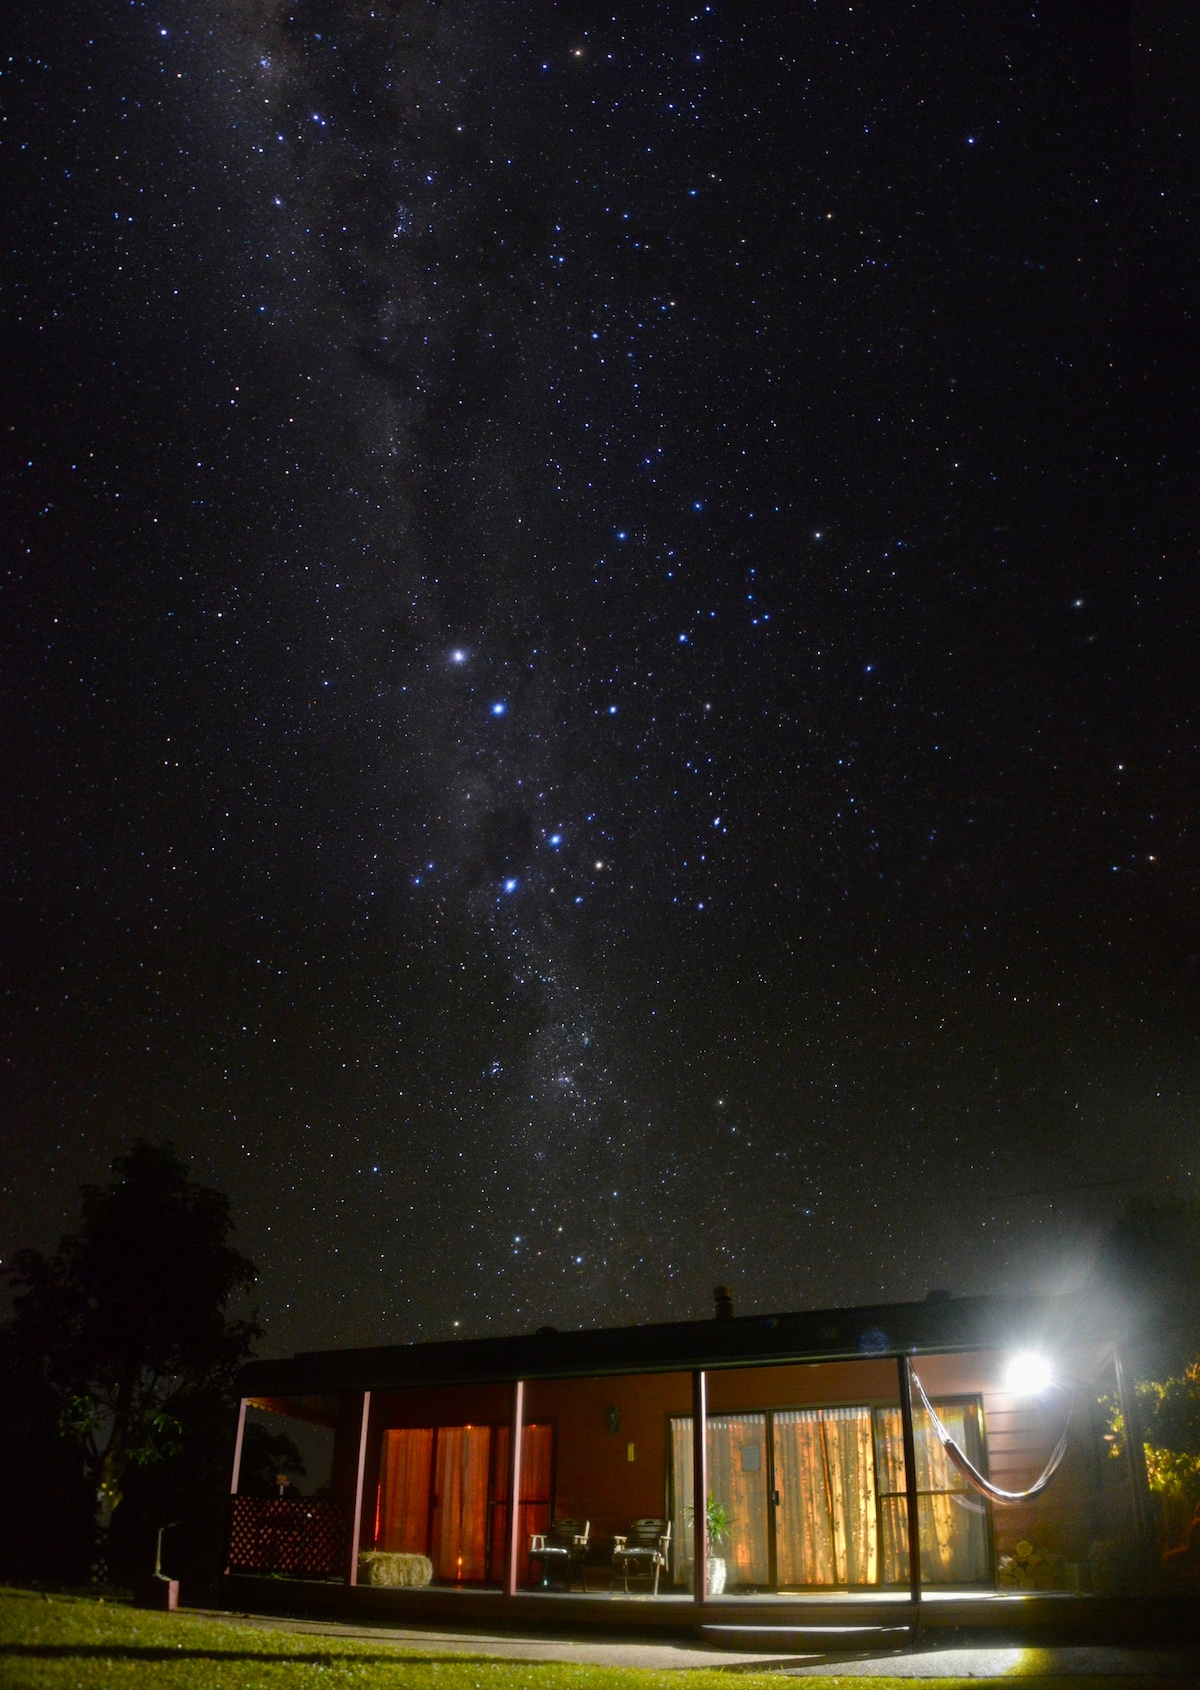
(402, 1520)
(825, 1532)
(954, 1519)
(739, 1487)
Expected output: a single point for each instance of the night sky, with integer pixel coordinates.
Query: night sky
(599, 643)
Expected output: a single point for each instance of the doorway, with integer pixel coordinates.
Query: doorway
(815, 1498)
(442, 1493)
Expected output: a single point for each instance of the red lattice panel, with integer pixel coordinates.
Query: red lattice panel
(302, 1538)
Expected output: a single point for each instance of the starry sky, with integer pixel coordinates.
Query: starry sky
(599, 627)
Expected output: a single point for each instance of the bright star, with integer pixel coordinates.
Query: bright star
(555, 839)
(458, 656)
(499, 707)
(510, 885)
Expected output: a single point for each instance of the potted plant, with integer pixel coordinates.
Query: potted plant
(718, 1523)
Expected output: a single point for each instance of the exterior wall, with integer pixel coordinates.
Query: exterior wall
(803, 1385)
(594, 1478)
(442, 1405)
(1089, 1498)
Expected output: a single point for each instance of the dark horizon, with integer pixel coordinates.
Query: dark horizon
(600, 647)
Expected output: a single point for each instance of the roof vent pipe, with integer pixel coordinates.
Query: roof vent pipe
(723, 1298)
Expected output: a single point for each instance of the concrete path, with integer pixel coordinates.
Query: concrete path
(502, 1646)
(1170, 1665)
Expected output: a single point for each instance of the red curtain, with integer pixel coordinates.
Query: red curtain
(458, 1539)
(442, 1494)
(402, 1520)
(537, 1461)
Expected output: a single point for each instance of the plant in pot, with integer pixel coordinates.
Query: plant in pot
(718, 1523)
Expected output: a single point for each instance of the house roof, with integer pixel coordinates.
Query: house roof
(936, 1325)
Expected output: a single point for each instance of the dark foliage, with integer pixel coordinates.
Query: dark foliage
(268, 1457)
(45, 1501)
(123, 1359)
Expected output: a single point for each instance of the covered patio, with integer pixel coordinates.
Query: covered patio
(977, 1429)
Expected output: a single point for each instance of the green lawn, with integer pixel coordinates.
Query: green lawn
(76, 1643)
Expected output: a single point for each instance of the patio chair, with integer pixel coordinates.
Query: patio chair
(562, 1549)
(643, 1551)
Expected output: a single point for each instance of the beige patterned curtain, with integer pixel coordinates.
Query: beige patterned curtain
(825, 1475)
(737, 1478)
(953, 1521)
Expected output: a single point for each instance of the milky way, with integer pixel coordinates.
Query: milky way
(599, 664)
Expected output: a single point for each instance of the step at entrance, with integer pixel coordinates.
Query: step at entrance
(823, 1639)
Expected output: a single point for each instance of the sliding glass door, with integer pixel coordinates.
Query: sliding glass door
(737, 1472)
(815, 1498)
(954, 1518)
(458, 1528)
(825, 1520)
(442, 1494)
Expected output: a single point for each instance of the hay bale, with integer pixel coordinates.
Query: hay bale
(394, 1570)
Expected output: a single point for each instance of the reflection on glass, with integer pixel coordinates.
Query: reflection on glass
(953, 1518)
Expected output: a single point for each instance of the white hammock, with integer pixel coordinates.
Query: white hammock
(972, 1474)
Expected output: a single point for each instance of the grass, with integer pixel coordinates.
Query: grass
(79, 1643)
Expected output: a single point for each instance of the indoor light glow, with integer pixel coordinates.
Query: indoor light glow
(1028, 1374)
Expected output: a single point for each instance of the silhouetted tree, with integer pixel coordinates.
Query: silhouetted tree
(1151, 1259)
(123, 1334)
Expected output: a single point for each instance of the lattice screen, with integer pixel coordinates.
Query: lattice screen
(304, 1538)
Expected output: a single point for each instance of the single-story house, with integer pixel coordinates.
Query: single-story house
(981, 1429)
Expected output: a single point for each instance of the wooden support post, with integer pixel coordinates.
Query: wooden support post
(700, 1485)
(512, 1524)
(358, 1470)
(237, 1448)
(910, 1481)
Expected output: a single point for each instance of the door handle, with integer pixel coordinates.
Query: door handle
(776, 1498)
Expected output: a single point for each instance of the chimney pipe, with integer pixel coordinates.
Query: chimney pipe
(723, 1298)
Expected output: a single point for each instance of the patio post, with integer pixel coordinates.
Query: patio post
(910, 1481)
(700, 1485)
(358, 1457)
(237, 1448)
(512, 1525)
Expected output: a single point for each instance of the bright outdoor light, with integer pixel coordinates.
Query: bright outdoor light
(1028, 1374)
